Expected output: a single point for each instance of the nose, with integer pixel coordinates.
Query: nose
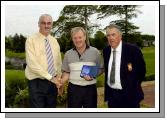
(46, 25)
(111, 38)
(77, 40)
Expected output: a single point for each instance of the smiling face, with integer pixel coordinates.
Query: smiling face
(114, 37)
(79, 39)
(45, 25)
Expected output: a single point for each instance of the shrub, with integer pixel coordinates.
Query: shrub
(62, 100)
(150, 77)
(16, 90)
(8, 65)
(22, 98)
(12, 54)
(14, 82)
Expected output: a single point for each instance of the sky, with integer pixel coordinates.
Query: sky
(23, 19)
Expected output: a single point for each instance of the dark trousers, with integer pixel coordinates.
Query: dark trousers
(120, 99)
(82, 96)
(43, 93)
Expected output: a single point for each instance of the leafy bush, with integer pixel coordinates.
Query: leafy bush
(16, 90)
(62, 100)
(22, 98)
(150, 77)
(11, 54)
(8, 65)
(14, 82)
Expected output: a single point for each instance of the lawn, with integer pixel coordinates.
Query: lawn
(18, 76)
(13, 74)
(15, 83)
(11, 54)
(148, 52)
(149, 57)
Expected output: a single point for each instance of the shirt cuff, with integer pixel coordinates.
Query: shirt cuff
(48, 77)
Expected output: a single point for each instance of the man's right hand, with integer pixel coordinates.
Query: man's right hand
(57, 80)
(61, 90)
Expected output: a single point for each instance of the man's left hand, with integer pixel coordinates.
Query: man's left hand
(88, 78)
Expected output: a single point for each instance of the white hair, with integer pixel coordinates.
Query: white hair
(114, 26)
(44, 15)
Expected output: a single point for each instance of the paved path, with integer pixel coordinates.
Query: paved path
(149, 94)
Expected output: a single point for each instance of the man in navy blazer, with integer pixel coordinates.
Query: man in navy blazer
(123, 80)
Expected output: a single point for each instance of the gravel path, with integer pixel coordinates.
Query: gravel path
(149, 94)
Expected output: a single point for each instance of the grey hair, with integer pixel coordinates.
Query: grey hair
(44, 15)
(114, 26)
(76, 29)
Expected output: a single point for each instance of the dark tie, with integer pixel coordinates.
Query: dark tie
(51, 69)
(112, 74)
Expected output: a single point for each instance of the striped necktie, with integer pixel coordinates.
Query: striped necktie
(112, 74)
(51, 69)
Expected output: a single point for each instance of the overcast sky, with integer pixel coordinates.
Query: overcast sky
(24, 18)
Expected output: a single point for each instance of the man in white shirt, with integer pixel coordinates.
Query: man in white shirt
(124, 71)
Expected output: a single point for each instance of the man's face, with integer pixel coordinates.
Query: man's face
(45, 25)
(114, 37)
(78, 39)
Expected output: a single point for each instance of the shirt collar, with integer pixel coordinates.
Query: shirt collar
(42, 36)
(118, 49)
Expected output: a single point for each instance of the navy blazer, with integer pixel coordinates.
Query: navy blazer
(130, 79)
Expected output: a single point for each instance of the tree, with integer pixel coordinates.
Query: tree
(99, 40)
(77, 13)
(19, 43)
(65, 42)
(22, 43)
(148, 37)
(8, 43)
(126, 12)
(131, 28)
(16, 41)
(64, 39)
(135, 38)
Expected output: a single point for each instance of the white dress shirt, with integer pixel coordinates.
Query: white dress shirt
(117, 84)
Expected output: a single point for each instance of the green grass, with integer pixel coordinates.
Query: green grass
(100, 81)
(18, 76)
(149, 57)
(148, 52)
(11, 54)
(14, 74)
(103, 105)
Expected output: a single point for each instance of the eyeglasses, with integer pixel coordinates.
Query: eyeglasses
(46, 23)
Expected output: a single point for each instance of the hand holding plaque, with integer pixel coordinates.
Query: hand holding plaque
(89, 72)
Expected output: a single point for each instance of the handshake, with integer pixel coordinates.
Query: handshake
(58, 81)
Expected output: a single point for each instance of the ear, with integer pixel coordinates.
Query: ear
(38, 24)
(85, 38)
